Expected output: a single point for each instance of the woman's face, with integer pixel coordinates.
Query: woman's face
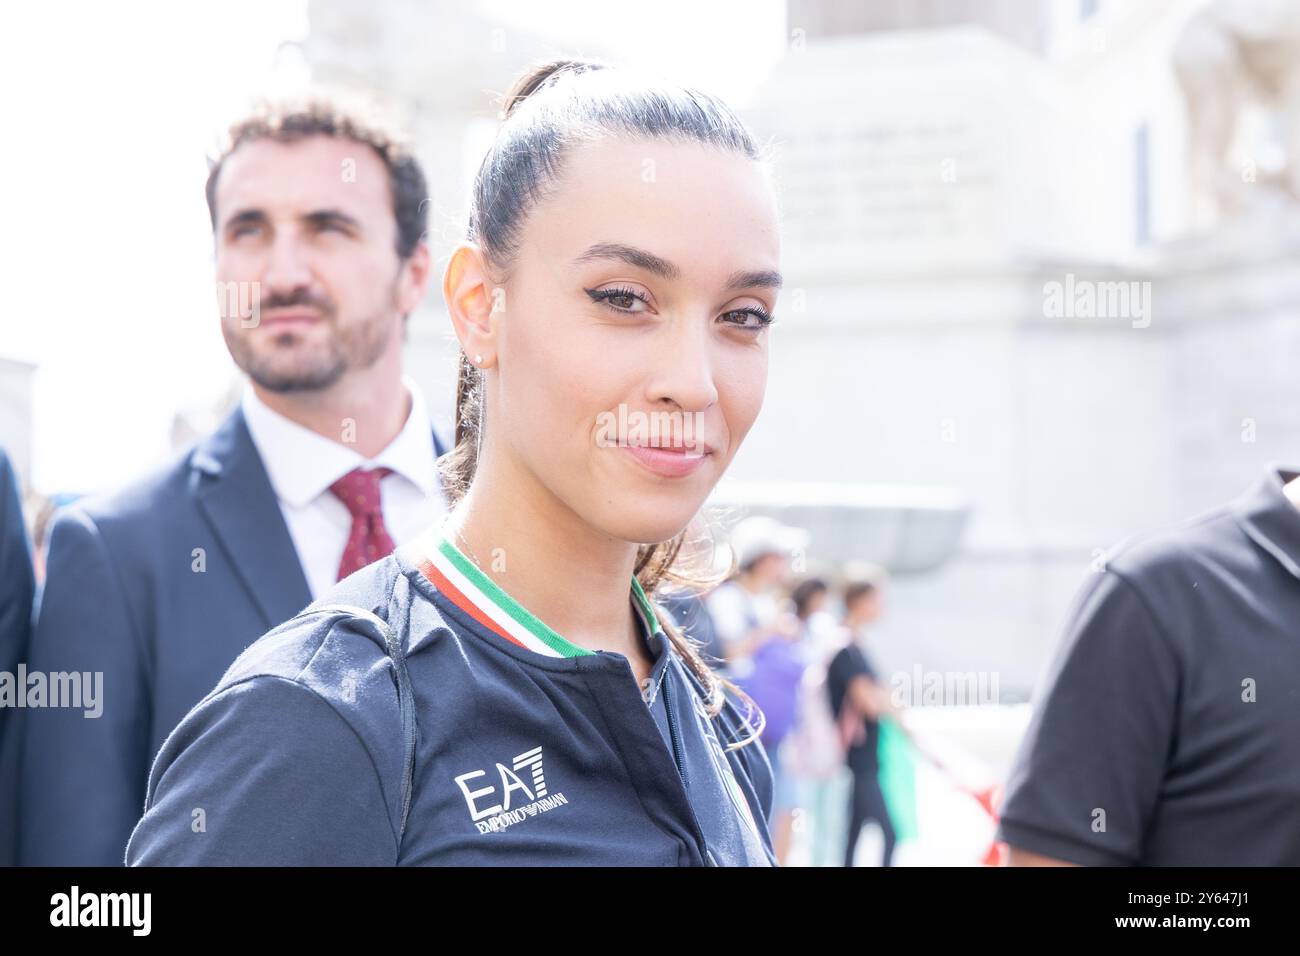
(634, 316)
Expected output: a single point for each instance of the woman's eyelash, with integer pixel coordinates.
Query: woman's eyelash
(604, 295)
(764, 317)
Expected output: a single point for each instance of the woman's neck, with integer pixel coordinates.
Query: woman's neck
(570, 576)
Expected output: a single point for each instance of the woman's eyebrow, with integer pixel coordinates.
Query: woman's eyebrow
(761, 278)
(631, 255)
(764, 278)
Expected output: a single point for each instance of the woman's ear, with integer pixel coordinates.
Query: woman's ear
(471, 299)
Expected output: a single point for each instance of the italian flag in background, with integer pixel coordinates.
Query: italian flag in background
(897, 776)
(898, 751)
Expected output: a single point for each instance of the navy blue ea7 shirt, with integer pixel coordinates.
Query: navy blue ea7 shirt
(417, 715)
(1169, 729)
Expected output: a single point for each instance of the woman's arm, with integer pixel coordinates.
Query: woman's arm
(264, 773)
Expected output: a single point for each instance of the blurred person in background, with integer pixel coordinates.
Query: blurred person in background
(774, 684)
(855, 690)
(319, 231)
(745, 608)
(816, 748)
(1168, 729)
(17, 590)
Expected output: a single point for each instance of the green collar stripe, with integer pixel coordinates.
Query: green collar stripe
(499, 603)
(512, 616)
(647, 609)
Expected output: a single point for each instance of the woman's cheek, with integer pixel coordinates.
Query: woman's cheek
(740, 393)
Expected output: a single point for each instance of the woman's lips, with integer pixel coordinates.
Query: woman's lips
(667, 462)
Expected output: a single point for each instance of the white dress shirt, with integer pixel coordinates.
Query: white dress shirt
(302, 465)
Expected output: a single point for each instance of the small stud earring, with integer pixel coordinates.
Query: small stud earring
(478, 360)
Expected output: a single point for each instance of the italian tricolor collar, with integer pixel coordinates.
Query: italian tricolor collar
(462, 582)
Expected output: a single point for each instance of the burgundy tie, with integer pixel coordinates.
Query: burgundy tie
(369, 540)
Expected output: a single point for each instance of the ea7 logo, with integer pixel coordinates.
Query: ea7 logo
(528, 763)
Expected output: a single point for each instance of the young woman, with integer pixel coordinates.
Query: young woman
(505, 691)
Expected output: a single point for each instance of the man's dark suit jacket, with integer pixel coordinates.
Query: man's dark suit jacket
(17, 587)
(160, 587)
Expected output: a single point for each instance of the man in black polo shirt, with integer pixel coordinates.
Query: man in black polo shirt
(851, 681)
(1168, 732)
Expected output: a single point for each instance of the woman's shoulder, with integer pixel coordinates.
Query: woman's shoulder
(334, 654)
(309, 708)
(270, 769)
(338, 634)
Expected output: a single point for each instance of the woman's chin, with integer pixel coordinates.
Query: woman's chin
(639, 525)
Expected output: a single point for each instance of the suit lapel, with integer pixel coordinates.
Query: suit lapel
(235, 496)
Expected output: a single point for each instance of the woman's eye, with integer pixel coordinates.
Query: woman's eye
(621, 300)
(752, 319)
